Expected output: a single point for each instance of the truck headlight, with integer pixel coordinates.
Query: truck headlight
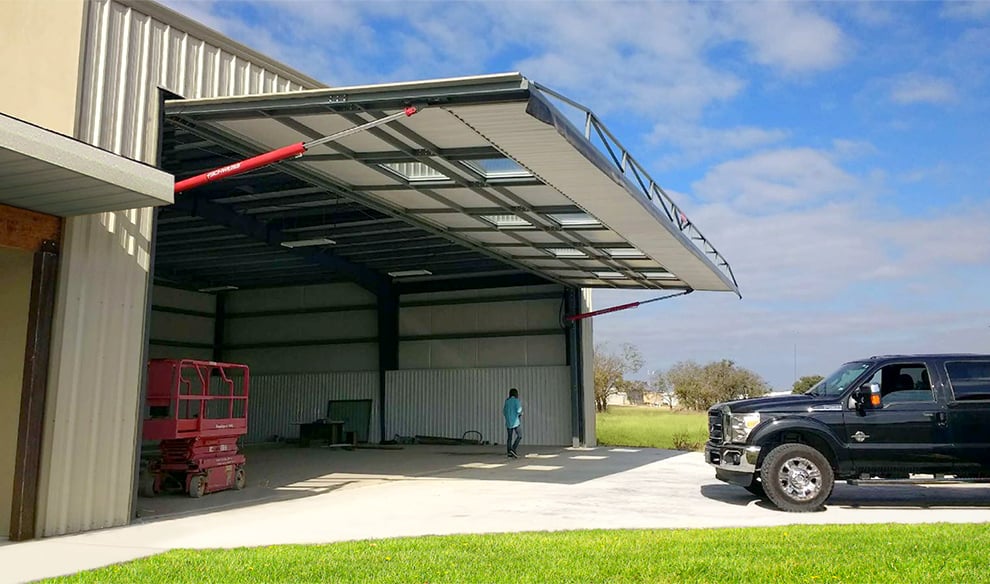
(740, 425)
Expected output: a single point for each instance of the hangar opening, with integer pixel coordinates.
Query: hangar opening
(421, 267)
(403, 277)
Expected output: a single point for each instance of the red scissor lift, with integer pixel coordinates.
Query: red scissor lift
(197, 410)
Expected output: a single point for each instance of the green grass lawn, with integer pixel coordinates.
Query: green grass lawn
(830, 553)
(651, 427)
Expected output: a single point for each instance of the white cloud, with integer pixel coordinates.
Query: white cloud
(776, 179)
(852, 149)
(787, 35)
(917, 88)
(966, 10)
(649, 58)
(697, 143)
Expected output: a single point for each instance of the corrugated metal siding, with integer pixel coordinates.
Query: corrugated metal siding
(98, 336)
(449, 402)
(276, 401)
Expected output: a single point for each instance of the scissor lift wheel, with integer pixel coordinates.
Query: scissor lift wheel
(197, 486)
(146, 485)
(240, 478)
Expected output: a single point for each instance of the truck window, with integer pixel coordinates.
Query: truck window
(903, 382)
(969, 380)
(837, 382)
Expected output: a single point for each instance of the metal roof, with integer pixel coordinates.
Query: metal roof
(47, 172)
(490, 179)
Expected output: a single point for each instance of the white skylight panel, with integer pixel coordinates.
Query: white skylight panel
(659, 276)
(624, 252)
(495, 168)
(415, 171)
(507, 221)
(566, 252)
(575, 220)
(609, 275)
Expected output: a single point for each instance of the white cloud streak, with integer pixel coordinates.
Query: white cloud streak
(915, 88)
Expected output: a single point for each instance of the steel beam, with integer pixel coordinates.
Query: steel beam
(27, 461)
(259, 231)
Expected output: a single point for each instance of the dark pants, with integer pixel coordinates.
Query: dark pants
(511, 446)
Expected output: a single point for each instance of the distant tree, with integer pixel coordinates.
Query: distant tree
(611, 367)
(698, 387)
(805, 383)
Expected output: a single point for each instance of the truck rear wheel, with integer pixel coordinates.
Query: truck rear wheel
(797, 478)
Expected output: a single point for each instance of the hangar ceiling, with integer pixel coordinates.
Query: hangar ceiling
(489, 182)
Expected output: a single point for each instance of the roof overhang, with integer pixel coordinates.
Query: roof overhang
(490, 162)
(50, 173)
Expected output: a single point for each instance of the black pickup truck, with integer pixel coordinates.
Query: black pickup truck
(882, 420)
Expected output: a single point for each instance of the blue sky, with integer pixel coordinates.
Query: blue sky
(837, 154)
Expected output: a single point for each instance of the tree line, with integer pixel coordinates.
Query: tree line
(687, 384)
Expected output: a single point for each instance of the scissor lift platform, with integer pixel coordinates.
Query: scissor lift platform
(197, 410)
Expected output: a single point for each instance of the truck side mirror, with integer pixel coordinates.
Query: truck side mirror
(867, 396)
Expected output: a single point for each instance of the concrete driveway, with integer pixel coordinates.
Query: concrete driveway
(317, 496)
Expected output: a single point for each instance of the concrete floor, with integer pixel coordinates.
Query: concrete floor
(318, 495)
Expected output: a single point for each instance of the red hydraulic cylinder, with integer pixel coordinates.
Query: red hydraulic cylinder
(576, 317)
(243, 166)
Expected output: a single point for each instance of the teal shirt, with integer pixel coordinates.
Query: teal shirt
(512, 410)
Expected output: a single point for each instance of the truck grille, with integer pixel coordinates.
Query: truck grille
(715, 433)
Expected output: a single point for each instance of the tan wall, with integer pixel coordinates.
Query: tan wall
(39, 61)
(15, 295)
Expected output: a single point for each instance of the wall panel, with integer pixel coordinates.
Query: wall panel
(450, 402)
(276, 402)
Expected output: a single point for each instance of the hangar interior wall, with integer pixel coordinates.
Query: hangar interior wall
(459, 352)
(129, 51)
(15, 296)
(181, 324)
(302, 329)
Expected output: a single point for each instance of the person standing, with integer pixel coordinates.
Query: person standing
(512, 411)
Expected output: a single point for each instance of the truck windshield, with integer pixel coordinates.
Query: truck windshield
(837, 382)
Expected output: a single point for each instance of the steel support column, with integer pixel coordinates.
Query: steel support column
(27, 461)
(573, 341)
(388, 346)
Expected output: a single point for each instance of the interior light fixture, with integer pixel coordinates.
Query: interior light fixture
(624, 252)
(308, 242)
(608, 275)
(410, 273)
(218, 289)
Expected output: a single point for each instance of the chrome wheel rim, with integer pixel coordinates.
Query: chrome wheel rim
(800, 479)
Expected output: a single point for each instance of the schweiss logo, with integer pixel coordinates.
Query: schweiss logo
(223, 171)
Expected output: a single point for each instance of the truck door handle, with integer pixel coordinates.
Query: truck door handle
(939, 417)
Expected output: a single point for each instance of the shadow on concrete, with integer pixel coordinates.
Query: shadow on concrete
(973, 496)
(846, 496)
(284, 472)
(733, 495)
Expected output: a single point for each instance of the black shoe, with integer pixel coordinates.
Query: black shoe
(512, 454)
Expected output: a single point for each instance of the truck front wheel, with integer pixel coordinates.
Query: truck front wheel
(796, 477)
